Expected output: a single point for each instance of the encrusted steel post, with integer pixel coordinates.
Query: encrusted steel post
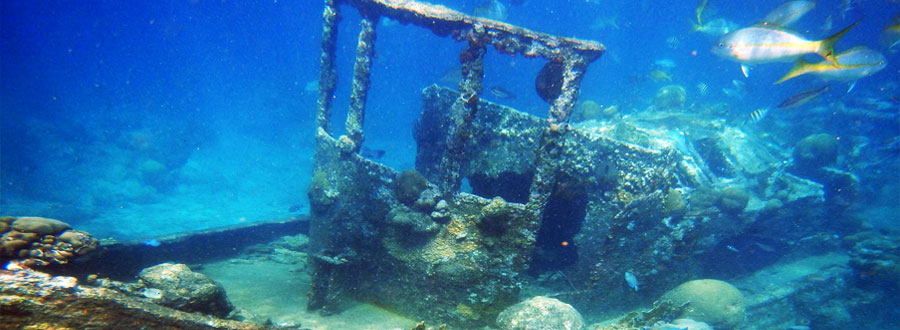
(472, 60)
(365, 51)
(547, 158)
(327, 70)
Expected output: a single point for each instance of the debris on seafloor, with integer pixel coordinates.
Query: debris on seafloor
(37, 300)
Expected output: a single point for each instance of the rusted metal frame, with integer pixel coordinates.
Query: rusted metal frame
(506, 38)
(478, 32)
(327, 69)
(553, 137)
(365, 53)
(462, 111)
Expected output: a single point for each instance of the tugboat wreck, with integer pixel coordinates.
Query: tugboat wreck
(655, 196)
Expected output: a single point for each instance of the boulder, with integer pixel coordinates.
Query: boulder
(540, 313)
(815, 151)
(185, 290)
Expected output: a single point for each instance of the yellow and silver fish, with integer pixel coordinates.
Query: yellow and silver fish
(762, 44)
(787, 13)
(717, 27)
(856, 63)
(699, 11)
(890, 36)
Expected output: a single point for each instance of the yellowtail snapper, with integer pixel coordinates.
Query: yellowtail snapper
(763, 44)
(787, 13)
(858, 62)
(699, 11)
(803, 97)
(717, 27)
(890, 35)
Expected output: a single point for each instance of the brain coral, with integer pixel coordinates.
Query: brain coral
(712, 301)
(671, 97)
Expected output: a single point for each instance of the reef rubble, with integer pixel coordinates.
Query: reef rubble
(31, 299)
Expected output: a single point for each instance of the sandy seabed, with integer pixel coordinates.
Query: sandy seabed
(279, 291)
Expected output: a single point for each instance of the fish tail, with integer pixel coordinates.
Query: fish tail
(694, 26)
(800, 67)
(700, 9)
(826, 46)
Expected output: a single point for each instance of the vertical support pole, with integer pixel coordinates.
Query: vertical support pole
(573, 71)
(547, 158)
(365, 52)
(462, 111)
(322, 273)
(327, 70)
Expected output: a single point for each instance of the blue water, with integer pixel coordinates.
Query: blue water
(135, 119)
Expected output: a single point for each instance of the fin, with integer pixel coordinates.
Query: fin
(826, 46)
(745, 70)
(694, 26)
(852, 85)
(800, 68)
(699, 11)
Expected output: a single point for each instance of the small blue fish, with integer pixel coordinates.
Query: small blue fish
(152, 242)
(631, 280)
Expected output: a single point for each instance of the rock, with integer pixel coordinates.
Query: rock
(815, 151)
(875, 260)
(38, 225)
(409, 185)
(36, 241)
(715, 302)
(540, 313)
(733, 200)
(841, 187)
(410, 222)
(4, 223)
(185, 290)
(35, 300)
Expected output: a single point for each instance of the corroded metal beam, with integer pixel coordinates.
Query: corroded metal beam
(327, 70)
(547, 156)
(470, 86)
(506, 38)
(365, 52)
